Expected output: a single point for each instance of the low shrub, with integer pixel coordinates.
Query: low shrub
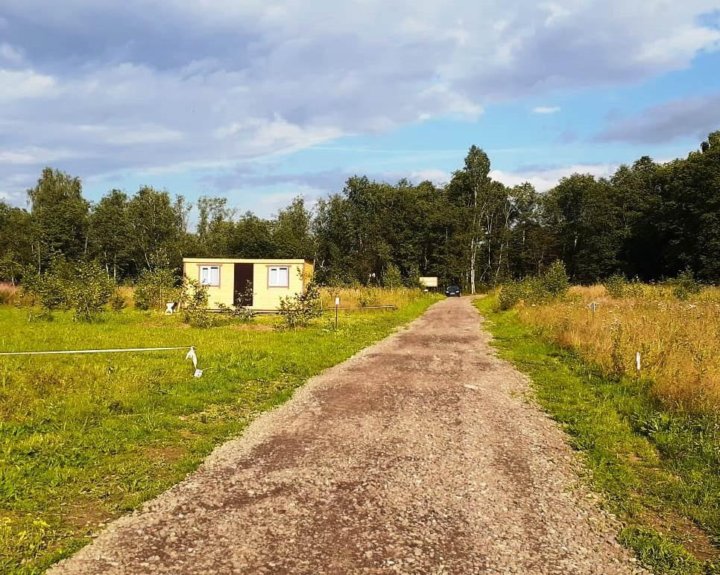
(117, 301)
(83, 287)
(195, 304)
(413, 279)
(555, 280)
(616, 286)
(239, 311)
(553, 284)
(510, 295)
(89, 291)
(47, 290)
(155, 288)
(685, 285)
(392, 278)
(298, 310)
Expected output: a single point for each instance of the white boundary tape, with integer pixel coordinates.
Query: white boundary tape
(68, 352)
(191, 355)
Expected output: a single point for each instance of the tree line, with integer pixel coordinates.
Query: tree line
(648, 220)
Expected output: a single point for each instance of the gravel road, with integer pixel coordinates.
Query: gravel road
(422, 454)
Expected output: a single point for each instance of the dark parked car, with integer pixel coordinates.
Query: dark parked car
(452, 291)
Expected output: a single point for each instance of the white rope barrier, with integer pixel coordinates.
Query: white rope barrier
(191, 355)
(68, 352)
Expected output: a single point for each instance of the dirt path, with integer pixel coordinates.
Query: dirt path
(419, 455)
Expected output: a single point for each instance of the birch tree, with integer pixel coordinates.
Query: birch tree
(469, 190)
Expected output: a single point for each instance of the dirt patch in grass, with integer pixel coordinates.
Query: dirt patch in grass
(692, 537)
(262, 327)
(166, 454)
(86, 515)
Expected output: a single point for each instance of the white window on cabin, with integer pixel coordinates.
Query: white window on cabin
(210, 275)
(279, 276)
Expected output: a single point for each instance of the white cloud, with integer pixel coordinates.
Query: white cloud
(272, 202)
(555, 13)
(33, 156)
(671, 51)
(544, 179)
(13, 188)
(546, 109)
(276, 135)
(23, 84)
(14, 157)
(437, 177)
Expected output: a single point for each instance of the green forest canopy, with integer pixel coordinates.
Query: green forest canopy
(647, 220)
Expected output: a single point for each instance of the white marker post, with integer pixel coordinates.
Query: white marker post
(637, 361)
(192, 356)
(337, 306)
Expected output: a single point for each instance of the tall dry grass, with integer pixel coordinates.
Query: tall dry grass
(350, 298)
(127, 293)
(678, 341)
(357, 298)
(9, 293)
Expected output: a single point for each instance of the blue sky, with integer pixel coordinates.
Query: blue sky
(260, 101)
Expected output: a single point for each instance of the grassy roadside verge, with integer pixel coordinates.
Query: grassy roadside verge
(658, 470)
(84, 439)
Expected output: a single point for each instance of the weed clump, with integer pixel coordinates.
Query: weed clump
(659, 552)
(368, 297)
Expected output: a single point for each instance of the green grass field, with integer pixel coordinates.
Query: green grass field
(659, 471)
(86, 438)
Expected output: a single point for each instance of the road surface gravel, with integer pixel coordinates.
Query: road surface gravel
(422, 454)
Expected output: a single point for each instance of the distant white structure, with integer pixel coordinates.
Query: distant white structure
(429, 282)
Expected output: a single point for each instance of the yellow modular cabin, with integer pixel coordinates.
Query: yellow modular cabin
(257, 284)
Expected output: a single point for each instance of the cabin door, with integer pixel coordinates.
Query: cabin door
(242, 294)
